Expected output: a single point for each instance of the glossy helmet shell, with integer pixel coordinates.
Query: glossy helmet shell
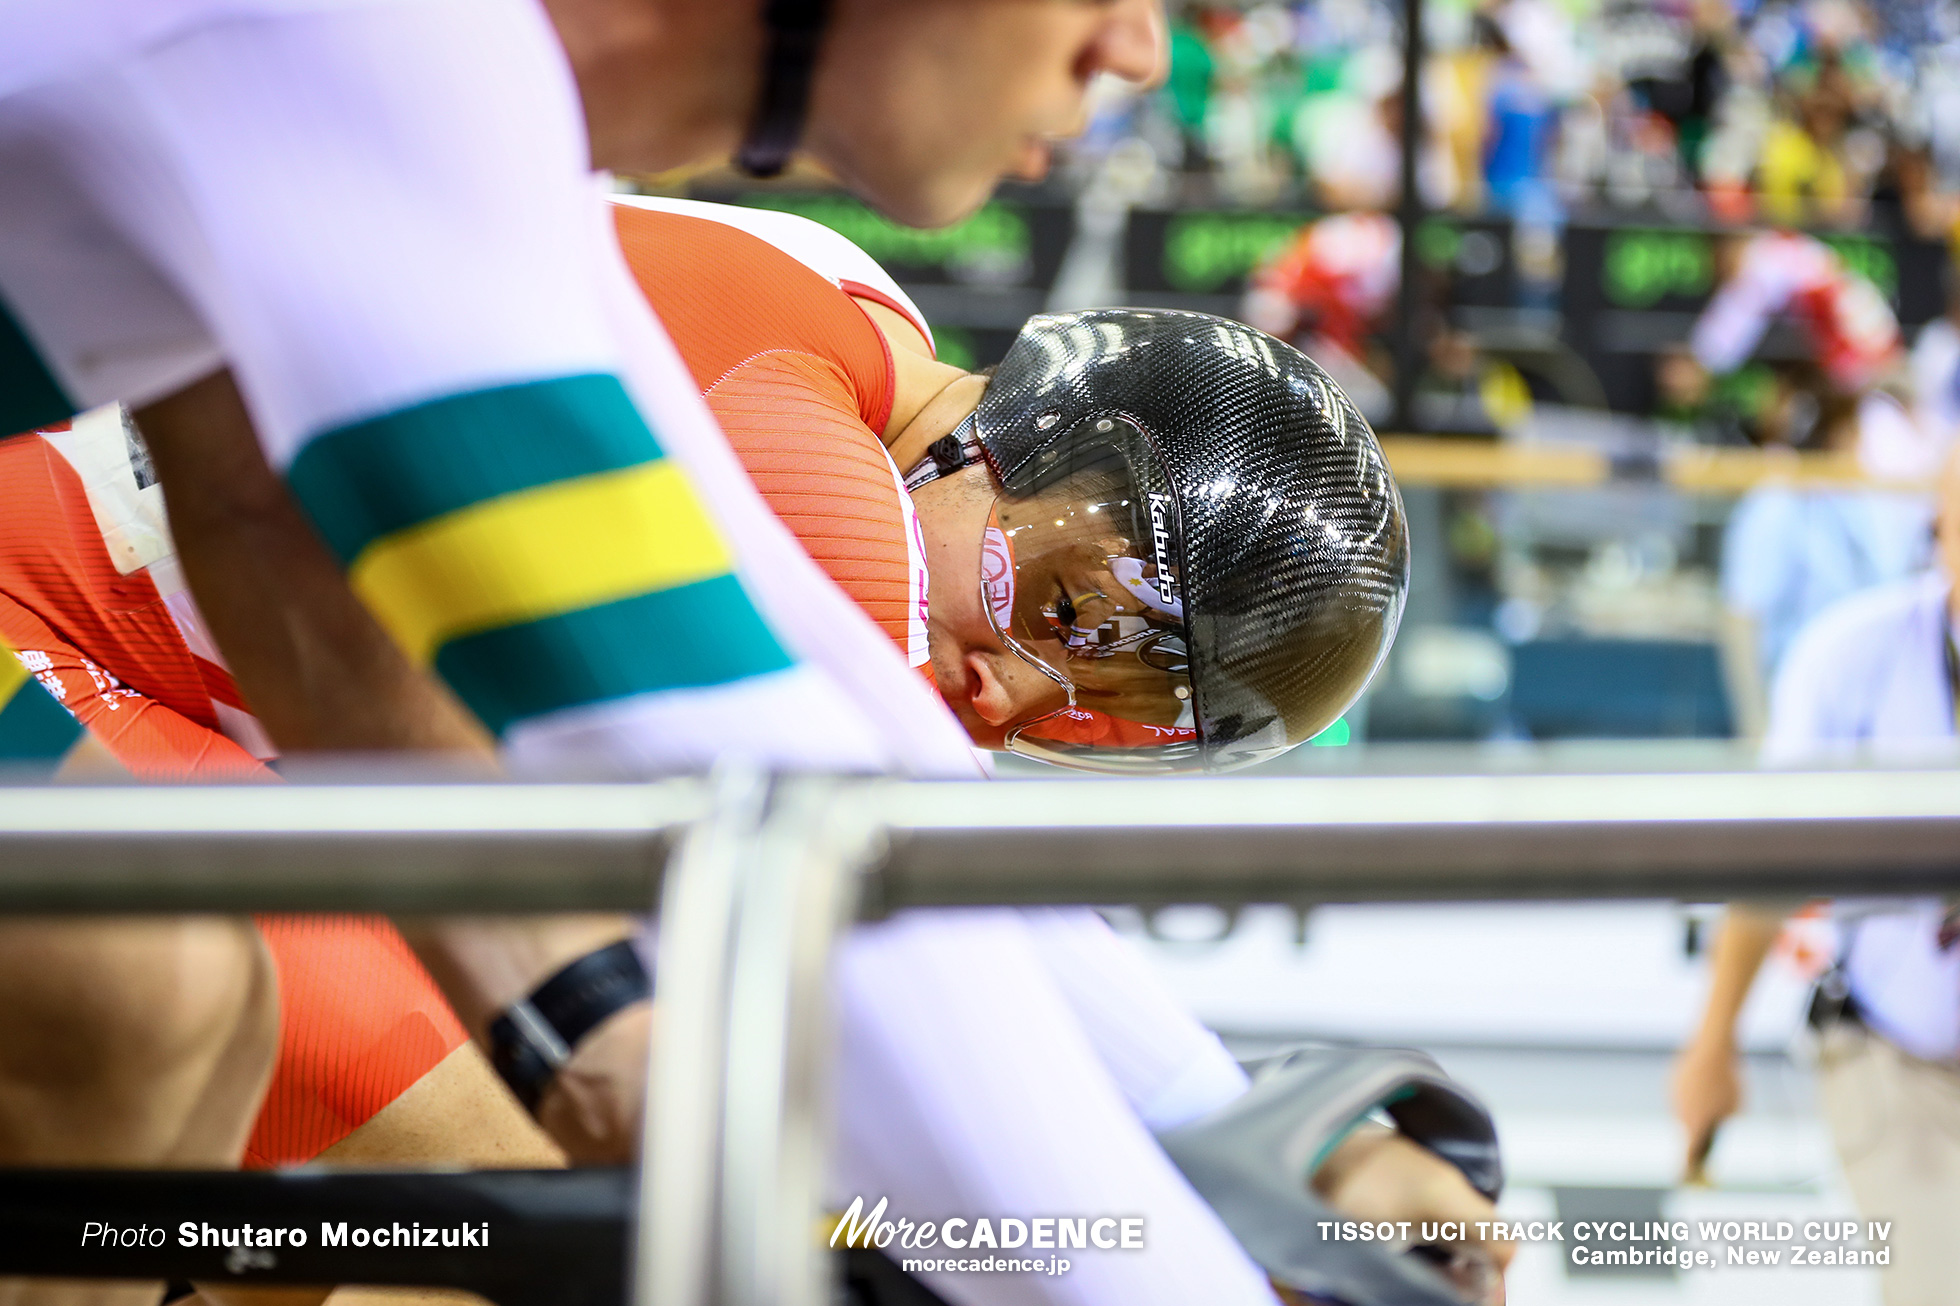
(1293, 542)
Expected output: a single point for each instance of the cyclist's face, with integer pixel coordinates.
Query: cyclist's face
(922, 106)
(989, 687)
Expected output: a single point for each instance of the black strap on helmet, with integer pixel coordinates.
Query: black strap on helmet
(795, 30)
(946, 455)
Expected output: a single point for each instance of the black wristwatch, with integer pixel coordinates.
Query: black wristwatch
(536, 1035)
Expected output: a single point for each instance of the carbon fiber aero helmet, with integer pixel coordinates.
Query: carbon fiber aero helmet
(1196, 534)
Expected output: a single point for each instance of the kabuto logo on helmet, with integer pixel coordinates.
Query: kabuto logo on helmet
(1160, 535)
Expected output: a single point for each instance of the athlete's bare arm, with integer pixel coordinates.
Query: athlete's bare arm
(322, 676)
(319, 671)
(1379, 1174)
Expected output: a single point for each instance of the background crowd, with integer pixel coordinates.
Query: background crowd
(1590, 172)
(1830, 112)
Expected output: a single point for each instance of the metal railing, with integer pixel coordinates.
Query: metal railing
(1351, 838)
(756, 876)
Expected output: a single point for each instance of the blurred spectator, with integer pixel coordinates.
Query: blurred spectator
(1730, 410)
(1517, 151)
(1350, 139)
(1327, 290)
(1460, 92)
(1688, 93)
(1188, 88)
(1851, 330)
(1806, 173)
(1466, 390)
(1936, 374)
(1874, 676)
(1788, 553)
(1798, 111)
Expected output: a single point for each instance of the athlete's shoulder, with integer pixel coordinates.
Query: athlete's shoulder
(831, 255)
(728, 297)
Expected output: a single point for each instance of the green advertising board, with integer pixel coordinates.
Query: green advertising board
(1644, 266)
(993, 246)
(1213, 251)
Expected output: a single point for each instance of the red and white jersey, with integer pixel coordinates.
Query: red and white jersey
(761, 306)
(1336, 276)
(445, 252)
(830, 255)
(1851, 327)
(92, 598)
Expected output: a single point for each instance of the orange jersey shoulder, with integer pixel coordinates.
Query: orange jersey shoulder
(726, 296)
(801, 382)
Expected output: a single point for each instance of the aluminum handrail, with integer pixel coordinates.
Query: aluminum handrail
(400, 848)
(496, 847)
(1438, 838)
(769, 868)
(532, 848)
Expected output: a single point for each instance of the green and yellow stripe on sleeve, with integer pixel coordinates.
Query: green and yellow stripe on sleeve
(533, 544)
(35, 730)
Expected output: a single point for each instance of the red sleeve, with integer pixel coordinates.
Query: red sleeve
(153, 741)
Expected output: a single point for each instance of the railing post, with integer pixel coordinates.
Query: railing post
(674, 1260)
(798, 894)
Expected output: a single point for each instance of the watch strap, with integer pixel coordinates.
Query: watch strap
(537, 1035)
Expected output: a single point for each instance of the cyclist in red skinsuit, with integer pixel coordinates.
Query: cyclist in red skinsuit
(803, 372)
(800, 363)
(798, 366)
(803, 382)
(1853, 331)
(1335, 278)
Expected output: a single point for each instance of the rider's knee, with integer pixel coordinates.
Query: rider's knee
(96, 1003)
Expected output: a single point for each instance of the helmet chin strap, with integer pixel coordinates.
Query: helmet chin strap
(948, 454)
(795, 31)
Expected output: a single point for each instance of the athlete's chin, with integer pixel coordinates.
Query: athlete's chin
(982, 735)
(939, 203)
(926, 195)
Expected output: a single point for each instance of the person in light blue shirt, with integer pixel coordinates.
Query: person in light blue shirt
(1876, 676)
(1789, 553)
